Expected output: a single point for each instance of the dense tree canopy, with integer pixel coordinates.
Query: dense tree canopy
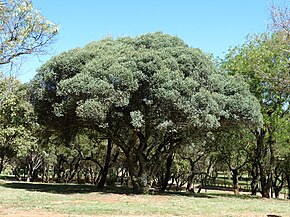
(148, 94)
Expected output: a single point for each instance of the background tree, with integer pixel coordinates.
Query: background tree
(23, 31)
(280, 24)
(263, 61)
(232, 149)
(193, 154)
(281, 172)
(280, 17)
(16, 121)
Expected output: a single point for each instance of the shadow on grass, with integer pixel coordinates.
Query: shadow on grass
(181, 193)
(84, 189)
(65, 188)
(240, 196)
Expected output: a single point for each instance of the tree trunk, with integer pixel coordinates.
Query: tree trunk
(288, 184)
(169, 161)
(278, 183)
(261, 152)
(105, 169)
(73, 169)
(235, 181)
(1, 164)
(131, 170)
(190, 186)
(139, 180)
(142, 175)
(29, 176)
(255, 179)
(16, 172)
(266, 183)
(276, 191)
(29, 172)
(58, 169)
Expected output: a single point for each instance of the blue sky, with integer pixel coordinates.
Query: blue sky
(211, 25)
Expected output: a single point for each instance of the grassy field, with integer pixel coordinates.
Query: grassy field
(24, 199)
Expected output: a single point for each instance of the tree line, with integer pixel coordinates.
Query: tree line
(149, 111)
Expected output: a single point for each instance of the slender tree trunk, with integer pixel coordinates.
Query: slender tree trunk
(272, 163)
(255, 179)
(142, 175)
(235, 181)
(58, 169)
(288, 184)
(29, 173)
(190, 186)
(1, 164)
(278, 183)
(277, 190)
(105, 169)
(266, 179)
(169, 161)
(131, 170)
(266, 183)
(74, 166)
(261, 152)
(29, 170)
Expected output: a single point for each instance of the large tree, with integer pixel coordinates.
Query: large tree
(150, 95)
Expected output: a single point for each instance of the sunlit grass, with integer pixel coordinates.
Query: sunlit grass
(67, 200)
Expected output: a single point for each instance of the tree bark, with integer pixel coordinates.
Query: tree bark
(266, 183)
(1, 164)
(142, 175)
(29, 171)
(288, 184)
(189, 186)
(278, 182)
(261, 152)
(131, 170)
(105, 169)
(277, 191)
(235, 181)
(255, 178)
(139, 179)
(167, 177)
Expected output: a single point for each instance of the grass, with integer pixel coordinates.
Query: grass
(25, 199)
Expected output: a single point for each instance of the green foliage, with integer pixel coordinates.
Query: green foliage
(148, 94)
(16, 121)
(154, 72)
(263, 61)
